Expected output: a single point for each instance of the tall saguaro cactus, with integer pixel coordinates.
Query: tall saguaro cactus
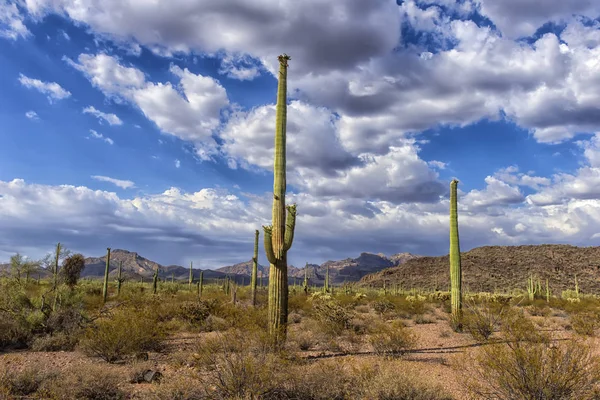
(278, 237)
(119, 278)
(254, 280)
(191, 278)
(455, 267)
(105, 286)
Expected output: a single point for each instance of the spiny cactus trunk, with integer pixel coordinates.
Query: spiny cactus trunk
(305, 285)
(455, 267)
(105, 286)
(155, 282)
(55, 276)
(253, 282)
(279, 236)
(200, 284)
(119, 278)
(191, 278)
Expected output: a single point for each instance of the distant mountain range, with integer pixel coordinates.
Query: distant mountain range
(484, 269)
(137, 267)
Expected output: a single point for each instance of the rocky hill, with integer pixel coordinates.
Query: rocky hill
(352, 269)
(244, 268)
(136, 266)
(500, 267)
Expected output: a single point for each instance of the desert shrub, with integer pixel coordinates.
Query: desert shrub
(56, 342)
(383, 306)
(392, 382)
(585, 323)
(124, 333)
(86, 382)
(295, 318)
(179, 387)
(391, 339)
(238, 365)
(334, 317)
(424, 319)
(529, 365)
(194, 312)
(482, 320)
(24, 382)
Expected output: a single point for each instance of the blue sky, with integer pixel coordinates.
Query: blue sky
(150, 127)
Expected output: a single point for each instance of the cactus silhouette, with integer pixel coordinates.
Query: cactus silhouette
(253, 282)
(105, 286)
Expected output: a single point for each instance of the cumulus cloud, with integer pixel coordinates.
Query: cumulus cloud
(177, 164)
(193, 117)
(319, 34)
(215, 227)
(51, 89)
(11, 21)
(96, 135)
(123, 184)
(518, 18)
(112, 119)
(240, 67)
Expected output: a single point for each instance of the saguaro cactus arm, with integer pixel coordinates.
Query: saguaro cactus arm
(290, 226)
(269, 244)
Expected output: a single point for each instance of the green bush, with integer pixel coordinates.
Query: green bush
(125, 333)
(391, 339)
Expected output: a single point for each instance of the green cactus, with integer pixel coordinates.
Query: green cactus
(105, 286)
(155, 281)
(547, 292)
(253, 282)
(279, 236)
(191, 277)
(305, 284)
(576, 287)
(326, 284)
(455, 267)
(119, 278)
(200, 284)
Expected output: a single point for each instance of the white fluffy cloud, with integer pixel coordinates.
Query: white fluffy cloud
(193, 118)
(11, 21)
(51, 89)
(96, 135)
(123, 184)
(319, 34)
(112, 119)
(517, 18)
(216, 227)
(319, 163)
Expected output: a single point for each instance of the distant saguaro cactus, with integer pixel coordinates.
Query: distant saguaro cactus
(305, 284)
(119, 278)
(455, 267)
(200, 284)
(254, 280)
(191, 278)
(279, 236)
(155, 281)
(105, 286)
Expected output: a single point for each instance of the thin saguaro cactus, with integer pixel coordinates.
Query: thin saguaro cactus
(119, 278)
(305, 284)
(191, 278)
(455, 267)
(155, 281)
(200, 284)
(105, 286)
(253, 282)
(278, 237)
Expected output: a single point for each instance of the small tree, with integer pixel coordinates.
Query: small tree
(71, 269)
